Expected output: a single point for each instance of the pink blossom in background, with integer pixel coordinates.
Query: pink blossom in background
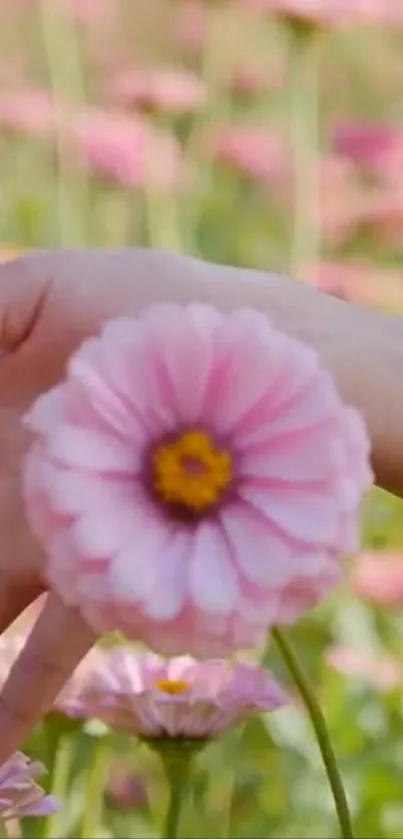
(126, 149)
(148, 696)
(383, 674)
(253, 151)
(20, 795)
(126, 788)
(375, 148)
(360, 283)
(71, 700)
(170, 91)
(253, 81)
(90, 12)
(194, 479)
(332, 12)
(28, 111)
(382, 215)
(378, 578)
(190, 27)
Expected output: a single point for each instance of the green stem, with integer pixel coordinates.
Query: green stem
(171, 825)
(303, 114)
(94, 790)
(62, 52)
(177, 757)
(62, 763)
(319, 725)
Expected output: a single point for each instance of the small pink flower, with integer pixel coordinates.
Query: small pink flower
(90, 12)
(194, 479)
(378, 577)
(365, 142)
(247, 81)
(28, 111)
(332, 12)
(172, 92)
(190, 27)
(126, 788)
(252, 150)
(126, 149)
(20, 795)
(147, 696)
(383, 674)
(360, 283)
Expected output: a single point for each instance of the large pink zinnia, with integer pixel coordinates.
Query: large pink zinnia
(194, 479)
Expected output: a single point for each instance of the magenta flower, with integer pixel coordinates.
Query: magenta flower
(148, 696)
(194, 479)
(20, 795)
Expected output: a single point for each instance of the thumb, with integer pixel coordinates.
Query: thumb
(59, 640)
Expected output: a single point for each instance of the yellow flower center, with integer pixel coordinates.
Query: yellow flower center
(172, 687)
(191, 471)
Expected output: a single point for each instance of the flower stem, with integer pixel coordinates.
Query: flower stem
(177, 758)
(66, 76)
(171, 825)
(303, 113)
(62, 763)
(94, 790)
(319, 725)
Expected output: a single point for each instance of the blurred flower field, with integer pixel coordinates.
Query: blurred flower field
(258, 133)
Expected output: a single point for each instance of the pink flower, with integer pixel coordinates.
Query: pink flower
(194, 479)
(383, 674)
(90, 12)
(248, 81)
(190, 27)
(147, 696)
(20, 795)
(251, 150)
(126, 789)
(360, 283)
(29, 111)
(127, 149)
(332, 12)
(376, 148)
(172, 92)
(378, 577)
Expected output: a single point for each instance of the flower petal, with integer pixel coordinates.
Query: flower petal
(166, 596)
(94, 450)
(213, 583)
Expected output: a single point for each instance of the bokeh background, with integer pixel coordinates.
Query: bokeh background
(263, 134)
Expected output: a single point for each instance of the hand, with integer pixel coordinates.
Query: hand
(49, 303)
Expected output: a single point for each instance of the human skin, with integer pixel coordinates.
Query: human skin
(49, 303)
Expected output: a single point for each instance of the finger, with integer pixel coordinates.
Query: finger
(14, 599)
(56, 645)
